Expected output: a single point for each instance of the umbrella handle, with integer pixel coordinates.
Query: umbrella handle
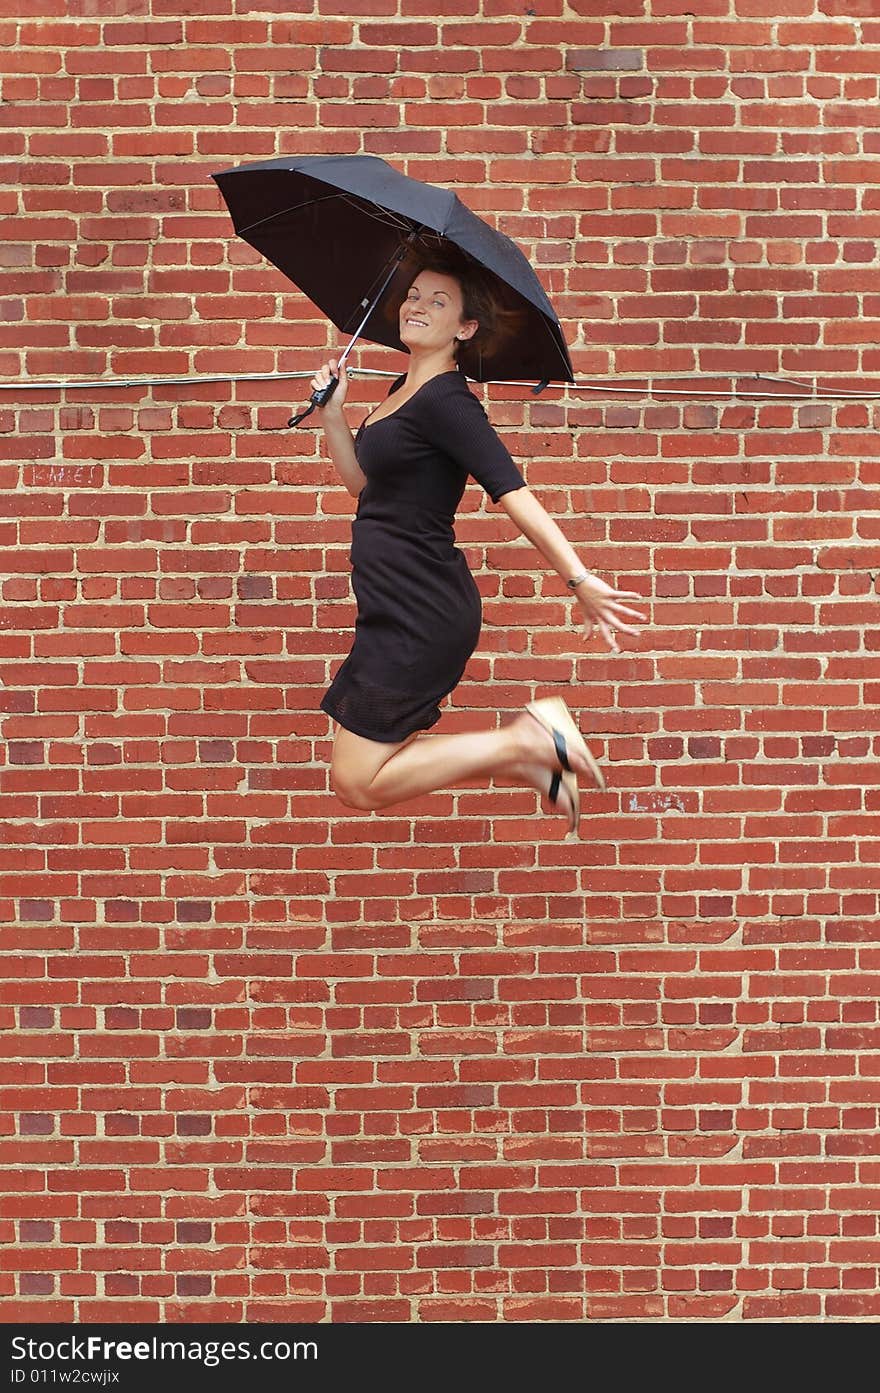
(318, 398)
(323, 395)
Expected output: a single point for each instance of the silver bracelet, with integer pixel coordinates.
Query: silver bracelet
(576, 580)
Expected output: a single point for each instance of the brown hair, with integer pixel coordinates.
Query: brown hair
(479, 300)
(484, 299)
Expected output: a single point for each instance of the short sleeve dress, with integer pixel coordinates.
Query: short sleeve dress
(418, 607)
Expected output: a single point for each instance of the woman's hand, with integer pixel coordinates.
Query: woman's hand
(323, 377)
(337, 435)
(603, 609)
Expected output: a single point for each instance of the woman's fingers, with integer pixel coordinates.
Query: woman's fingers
(605, 611)
(609, 625)
(616, 611)
(617, 616)
(606, 595)
(615, 601)
(609, 614)
(327, 371)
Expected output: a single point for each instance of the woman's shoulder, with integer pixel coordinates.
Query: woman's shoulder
(446, 389)
(452, 381)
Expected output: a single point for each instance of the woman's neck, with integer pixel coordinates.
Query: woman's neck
(424, 366)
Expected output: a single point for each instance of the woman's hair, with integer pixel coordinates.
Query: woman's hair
(482, 300)
(479, 301)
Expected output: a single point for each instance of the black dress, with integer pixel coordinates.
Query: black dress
(418, 606)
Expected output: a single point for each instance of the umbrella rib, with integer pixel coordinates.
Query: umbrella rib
(399, 223)
(282, 212)
(402, 224)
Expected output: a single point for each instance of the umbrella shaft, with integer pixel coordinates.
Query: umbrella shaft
(323, 394)
(378, 296)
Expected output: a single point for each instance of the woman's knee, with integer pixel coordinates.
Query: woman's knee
(351, 772)
(354, 765)
(351, 790)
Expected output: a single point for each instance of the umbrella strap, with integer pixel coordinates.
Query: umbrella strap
(295, 420)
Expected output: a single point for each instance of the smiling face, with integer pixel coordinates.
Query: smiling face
(431, 316)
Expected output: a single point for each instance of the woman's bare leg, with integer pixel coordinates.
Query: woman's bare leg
(371, 774)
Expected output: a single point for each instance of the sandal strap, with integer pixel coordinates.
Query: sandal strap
(561, 748)
(554, 785)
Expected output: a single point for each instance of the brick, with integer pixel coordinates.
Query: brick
(605, 60)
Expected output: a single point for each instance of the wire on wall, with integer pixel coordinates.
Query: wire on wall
(652, 387)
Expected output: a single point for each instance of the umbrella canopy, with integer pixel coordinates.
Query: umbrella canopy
(347, 228)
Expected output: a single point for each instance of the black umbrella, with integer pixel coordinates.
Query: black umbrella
(347, 229)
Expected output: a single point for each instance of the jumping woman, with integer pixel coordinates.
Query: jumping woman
(418, 606)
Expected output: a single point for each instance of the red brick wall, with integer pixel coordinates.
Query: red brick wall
(271, 1059)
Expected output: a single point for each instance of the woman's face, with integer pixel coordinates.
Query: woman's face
(431, 315)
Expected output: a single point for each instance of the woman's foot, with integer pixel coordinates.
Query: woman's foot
(572, 750)
(538, 777)
(545, 738)
(537, 766)
(536, 746)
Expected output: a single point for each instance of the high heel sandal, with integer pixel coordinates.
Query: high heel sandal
(571, 787)
(555, 717)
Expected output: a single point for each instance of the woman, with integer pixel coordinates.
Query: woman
(419, 609)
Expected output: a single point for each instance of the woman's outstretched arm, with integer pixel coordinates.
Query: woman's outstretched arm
(336, 432)
(603, 607)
